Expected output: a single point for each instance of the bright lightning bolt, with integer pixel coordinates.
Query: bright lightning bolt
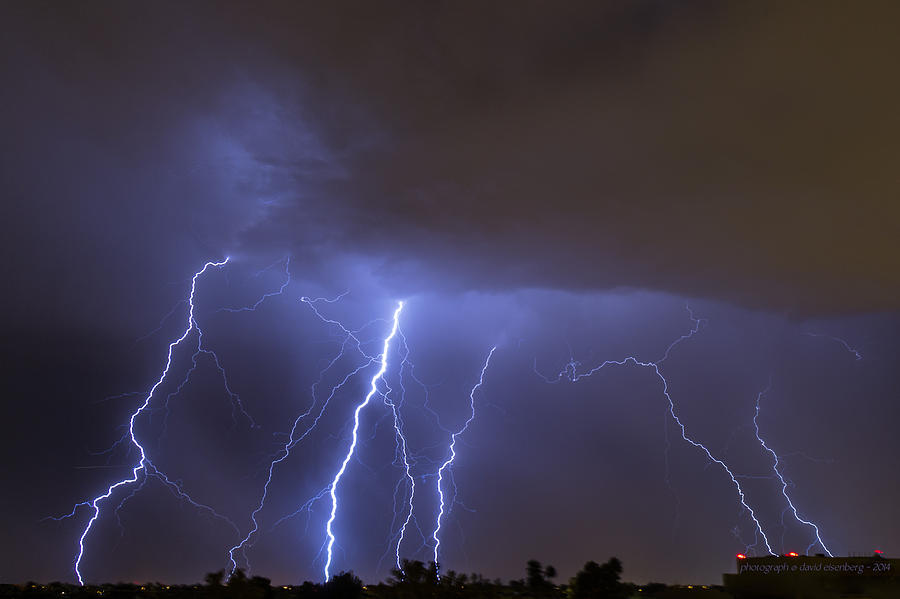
(296, 436)
(570, 372)
(354, 436)
(449, 461)
(784, 483)
(307, 421)
(144, 465)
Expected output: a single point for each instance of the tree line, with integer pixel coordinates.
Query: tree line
(413, 580)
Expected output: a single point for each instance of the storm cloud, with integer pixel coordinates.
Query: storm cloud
(734, 151)
(555, 179)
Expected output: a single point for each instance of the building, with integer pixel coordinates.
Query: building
(794, 576)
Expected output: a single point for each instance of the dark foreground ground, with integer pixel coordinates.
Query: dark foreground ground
(414, 581)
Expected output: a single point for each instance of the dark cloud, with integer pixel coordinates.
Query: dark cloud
(734, 151)
(743, 153)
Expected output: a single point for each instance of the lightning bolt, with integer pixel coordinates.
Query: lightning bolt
(298, 433)
(571, 373)
(265, 296)
(838, 340)
(401, 454)
(784, 483)
(144, 466)
(237, 404)
(383, 360)
(452, 456)
(406, 460)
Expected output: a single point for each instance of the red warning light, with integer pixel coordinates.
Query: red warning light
(793, 554)
(741, 556)
(879, 551)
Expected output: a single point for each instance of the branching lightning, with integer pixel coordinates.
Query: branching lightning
(406, 459)
(838, 340)
(402, 454)
(784, 483)
(440, 464)
(237, 405)
(265, 296)
(383, 361)
(570, 372)
(296, 436)
(145, 467)
(302, 426)
(452, 456)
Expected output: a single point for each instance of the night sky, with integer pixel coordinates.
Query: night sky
(559, 180)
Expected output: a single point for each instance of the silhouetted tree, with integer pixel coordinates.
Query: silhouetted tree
(550, 572)
(534, 575)
(651, 589)
(260, 587)
(598, 582)
(537, 579)
(238, 585)
(414, 580)
(237, 579)
(344, 585)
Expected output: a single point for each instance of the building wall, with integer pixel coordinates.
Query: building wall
(814, 577)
